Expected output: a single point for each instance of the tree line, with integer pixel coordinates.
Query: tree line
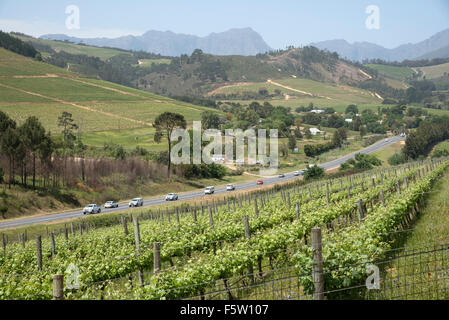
(18, 46)
(339, 137)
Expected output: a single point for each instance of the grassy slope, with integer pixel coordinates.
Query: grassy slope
(425, 274)
(102, 53)
(434, 72)
(398, 73)
(109, 106)
(324, 94)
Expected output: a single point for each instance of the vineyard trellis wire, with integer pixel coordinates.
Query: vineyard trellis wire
(122, 265)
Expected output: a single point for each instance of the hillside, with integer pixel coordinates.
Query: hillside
(294, 92)
(47, 47)
(201, 73)
(28, 88)
(244, 41)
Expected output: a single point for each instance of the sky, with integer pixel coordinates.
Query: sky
(280, 23)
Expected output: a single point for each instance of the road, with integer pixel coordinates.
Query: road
(194, 194)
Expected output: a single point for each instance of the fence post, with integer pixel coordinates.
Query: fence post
(399, 188)
(23, 240)
(297, 210)
(256, 209)
(317, 270)
(58, 283)
(39, 252)
(137, 242)
(125, 226)
(246, 224)
(349, 192)
(157, 257)
(3, 242)
(289, 202)
(327, 193)
(53, 244)
(211, 219)
(360, 210)
(194, 216)
(66, 232)
(136, 234)
(248, 236)
(382, 197)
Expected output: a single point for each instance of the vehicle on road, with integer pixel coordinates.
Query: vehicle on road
(110, 204)
(91, 209)
(209, 190)
(386, 140)
(230, 187)
(296, 173)
(171, 197)
(281, 175)
(259, 182)
(136, 202)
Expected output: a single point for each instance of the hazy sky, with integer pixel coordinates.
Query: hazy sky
(281, 23)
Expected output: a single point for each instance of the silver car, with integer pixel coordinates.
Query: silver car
(91, 209)
(110, 204)
(171, 197)
(136, 202)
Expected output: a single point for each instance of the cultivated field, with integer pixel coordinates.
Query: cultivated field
(251, 246)
(31, 88)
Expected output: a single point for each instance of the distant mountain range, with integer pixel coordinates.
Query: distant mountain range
(244, 41)
(436, 46)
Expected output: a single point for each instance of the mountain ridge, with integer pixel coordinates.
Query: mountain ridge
(236, 41)
(358, 51)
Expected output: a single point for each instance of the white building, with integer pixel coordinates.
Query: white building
(317, 111)
(315, 131)
(348, 120)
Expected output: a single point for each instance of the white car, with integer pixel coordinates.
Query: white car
(91, 209)
(230, 187)
(296, 173)
(171, 197)
(209, 190)
(110, 204)
(136, 202)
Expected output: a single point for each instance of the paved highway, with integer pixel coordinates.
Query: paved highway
(194, 194)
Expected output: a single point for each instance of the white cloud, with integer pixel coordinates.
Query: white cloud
(38, 28)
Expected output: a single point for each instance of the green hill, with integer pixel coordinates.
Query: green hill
(46, 47)
(29, 87)
(393, 72)
(435, 72)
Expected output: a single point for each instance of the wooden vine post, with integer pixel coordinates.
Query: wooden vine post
(58, 287)
(317, 269)
(39, 252)
(137, 242)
